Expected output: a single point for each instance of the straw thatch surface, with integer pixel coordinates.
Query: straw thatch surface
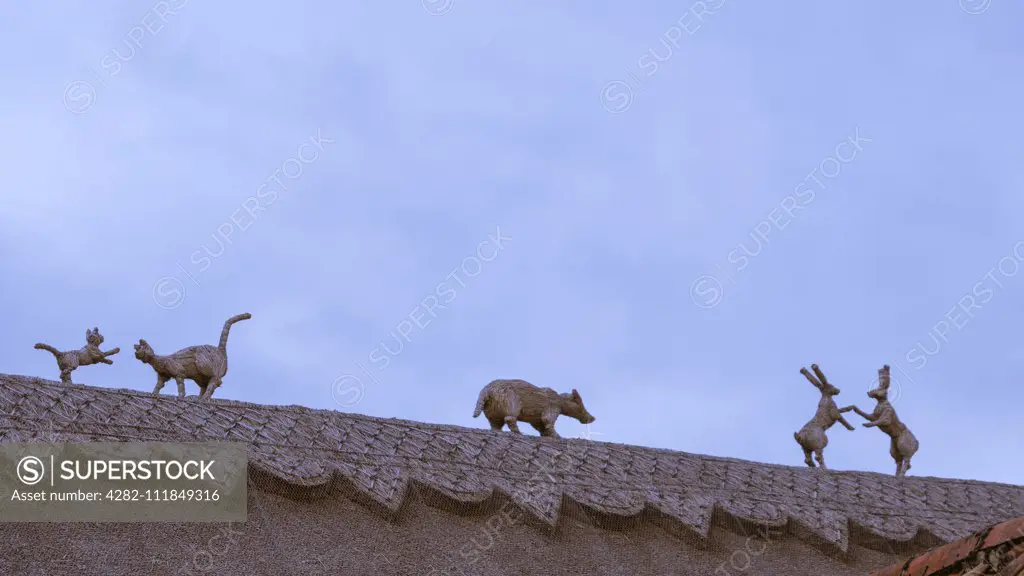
(304, 454)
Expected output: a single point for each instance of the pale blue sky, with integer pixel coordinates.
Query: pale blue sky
(442, 129)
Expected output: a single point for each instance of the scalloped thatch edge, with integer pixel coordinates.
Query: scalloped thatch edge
(568, 508)
(414, 489)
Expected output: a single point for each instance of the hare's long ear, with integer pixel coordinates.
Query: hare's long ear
(883, 377)
(810, 378)
(820, 374)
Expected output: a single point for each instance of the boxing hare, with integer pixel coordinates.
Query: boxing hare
(903, 444)
(812, 437)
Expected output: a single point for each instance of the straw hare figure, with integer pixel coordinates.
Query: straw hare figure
(205, 365)
(509, 401)
(812, 437)
(903, 444)
(89, 354)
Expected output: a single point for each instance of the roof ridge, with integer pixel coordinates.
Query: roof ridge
(228, 403)
(307, 453)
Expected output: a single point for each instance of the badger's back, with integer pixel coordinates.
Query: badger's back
(519, 398)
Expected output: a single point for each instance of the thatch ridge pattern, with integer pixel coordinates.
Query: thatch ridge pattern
(307, 453)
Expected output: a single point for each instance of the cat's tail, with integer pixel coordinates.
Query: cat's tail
(227, 328)
(484, 395)
(49, 349)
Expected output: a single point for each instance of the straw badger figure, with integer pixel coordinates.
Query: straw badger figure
(205, 365)
(87, 355)
(903, 444)
(812, 436)
(508, 401)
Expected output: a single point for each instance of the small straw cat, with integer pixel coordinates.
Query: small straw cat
(69, 360)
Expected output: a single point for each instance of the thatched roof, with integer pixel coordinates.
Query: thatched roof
(304, 453)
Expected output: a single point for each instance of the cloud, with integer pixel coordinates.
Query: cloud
(448, 127)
